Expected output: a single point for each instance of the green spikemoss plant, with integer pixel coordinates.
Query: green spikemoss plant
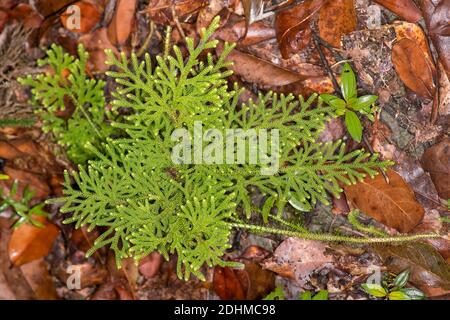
(67, 83)
(146, 202)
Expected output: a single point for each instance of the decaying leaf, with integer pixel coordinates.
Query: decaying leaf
(292, 26)
(40, 279)
(160, 11)
(436, 15)
(405, 9)
(89, 17)
(269, 76)
(96, 43)
(413, 68)
(392, 204)
(428, 269)
(336, 18)
(436, 160)
(30, 243)
(122, 22)
(250, 283)
(297, 259)
(149, 266)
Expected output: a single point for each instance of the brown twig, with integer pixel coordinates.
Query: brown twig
(177, 22)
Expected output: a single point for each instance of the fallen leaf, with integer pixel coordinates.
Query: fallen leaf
(336, 18)
(436, 161)
(269, 76)
(35, 182)
(160, 11)
(96, 43)
(13, 284)
(229, 284)
(436, 16)
(405, 9)
(413, 68)
(428, 269)
(235, 31)
(26, 15)
(208, 12)
(122, 22)
(149, 266)
(297, 259)
(39, 278)
(250, 283)
(89, 17)
(30, 243)
(392, 204)
(48, 7)
(292, 26)
(8, 151)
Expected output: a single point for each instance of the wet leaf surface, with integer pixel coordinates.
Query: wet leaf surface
(405, 9)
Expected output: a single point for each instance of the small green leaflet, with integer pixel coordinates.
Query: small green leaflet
(374, 289)
(348, 82)
(353, 125)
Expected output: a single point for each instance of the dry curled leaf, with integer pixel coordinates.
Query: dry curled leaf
(405, 9)
(29, 242)
(392, 204)
(89, 17)
(428, 269)
(436, 160)
(336, 18)
(122, 22)
(413, 67)
(436, 15)
(292, 26)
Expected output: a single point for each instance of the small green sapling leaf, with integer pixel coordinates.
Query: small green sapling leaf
(348, 82)
(353, 125)
(374, 289)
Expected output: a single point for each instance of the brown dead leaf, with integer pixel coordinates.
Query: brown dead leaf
(208, 12)
(29, 243)
(122, 22)
(230, 284)
(235, 31)
(96, 43)
(160, 11)
(13, 284)
(392, 204)
(90, 16)
(292, 26)
(250, 283)
(269, 76)
(48, 7)
(149, 266)
(297, 259)
(436, 160)
(336, 18)
(413, 68)
(26, 15)
(39, 278)
(8, 151)
(429, 270)
(405, 9)
(436, 16)
(35, 182)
